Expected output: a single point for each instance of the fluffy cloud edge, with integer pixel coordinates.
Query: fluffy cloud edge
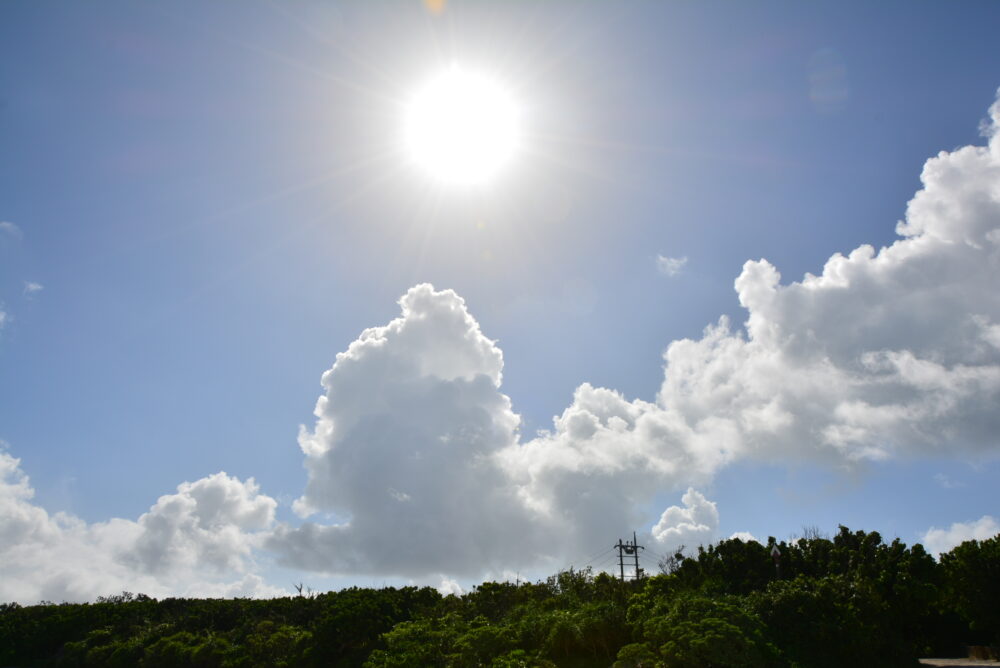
(198, 541)
(693, 524)
(939, 541)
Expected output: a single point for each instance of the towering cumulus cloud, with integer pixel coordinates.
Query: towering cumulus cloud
(890, 352)
(404, 451)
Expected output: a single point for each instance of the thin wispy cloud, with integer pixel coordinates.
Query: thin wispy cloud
(670, 266)
(10, 229)
(946, 482)
(31, 289)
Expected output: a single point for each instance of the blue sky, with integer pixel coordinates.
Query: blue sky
(213, 202)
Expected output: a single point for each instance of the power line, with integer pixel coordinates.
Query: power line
(658, 555)
(589, 561)
(603, 562)
(599, 554)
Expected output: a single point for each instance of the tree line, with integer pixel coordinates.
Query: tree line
(852, 599)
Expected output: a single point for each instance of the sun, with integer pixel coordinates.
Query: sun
(462, 128)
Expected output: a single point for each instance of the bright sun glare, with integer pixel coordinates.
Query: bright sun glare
(461, 127)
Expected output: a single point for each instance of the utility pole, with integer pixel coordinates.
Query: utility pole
(628, 548)
(621, 560)
(635, 544)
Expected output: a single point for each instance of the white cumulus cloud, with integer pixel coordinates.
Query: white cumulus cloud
(883, 353)
(692, 525)
(745, 536)
(197, 542)
(943, 540)
(415, 452)
(449, 587)
(404, 451)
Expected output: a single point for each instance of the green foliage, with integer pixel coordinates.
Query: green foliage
(351, 622)
(572, 619)
(637, 655)
(692, 630)
(972, 573)
(421, 642)
(274, 645)
(186, 649)
(483, 642)
(518, 658)
(832, 621)
(729, 567)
